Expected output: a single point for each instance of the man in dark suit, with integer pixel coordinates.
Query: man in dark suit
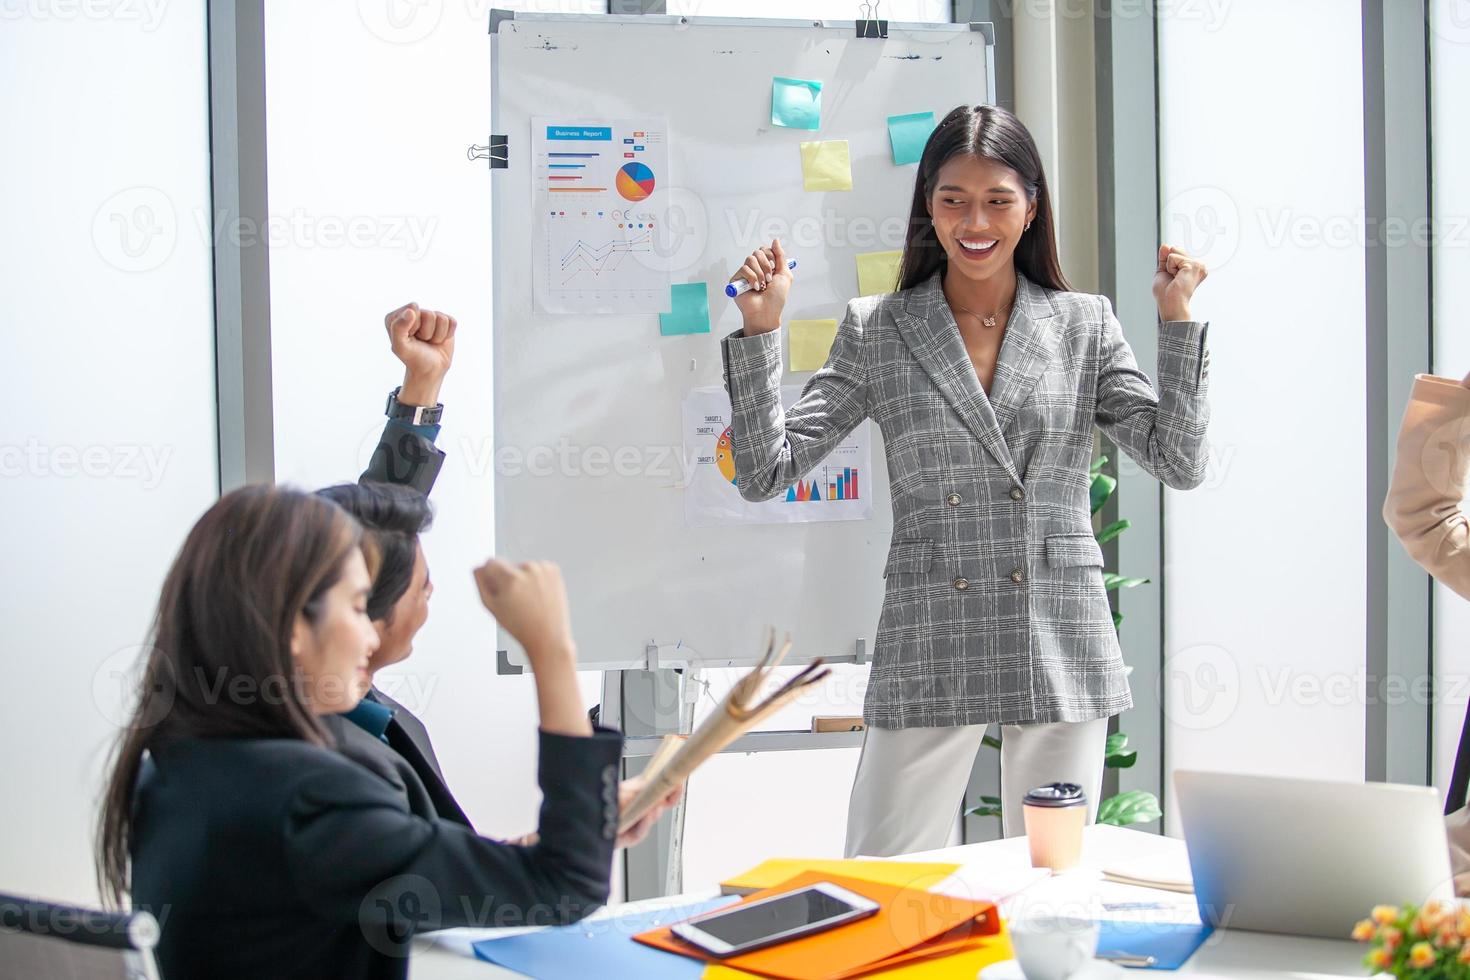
(390, 500)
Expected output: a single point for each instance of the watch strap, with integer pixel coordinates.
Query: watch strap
(413, 414)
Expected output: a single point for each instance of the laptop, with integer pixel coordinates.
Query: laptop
(1309, 857)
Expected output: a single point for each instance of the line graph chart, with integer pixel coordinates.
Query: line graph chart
(600, 196)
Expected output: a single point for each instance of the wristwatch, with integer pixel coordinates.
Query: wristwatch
(412, 414)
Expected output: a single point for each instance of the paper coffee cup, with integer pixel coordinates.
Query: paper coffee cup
(1055, 815)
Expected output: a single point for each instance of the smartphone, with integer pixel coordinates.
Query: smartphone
(755, 925)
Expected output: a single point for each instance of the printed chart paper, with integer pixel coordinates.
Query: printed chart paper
(837, 489)
(600, 191)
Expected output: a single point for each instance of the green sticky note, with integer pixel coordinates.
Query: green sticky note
(796, 103)
(811, 341)
(690, 310)
(908, 134)
(878, 272)
(826, 166)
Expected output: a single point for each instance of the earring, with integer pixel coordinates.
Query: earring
(1027, 228)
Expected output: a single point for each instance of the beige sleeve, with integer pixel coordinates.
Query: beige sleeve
(1457, 831)
(1430, 480)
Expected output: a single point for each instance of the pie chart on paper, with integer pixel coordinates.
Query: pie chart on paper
(635, 181)
(725, 455)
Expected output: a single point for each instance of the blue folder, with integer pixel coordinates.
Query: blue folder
(1169, 943)
(600, 948)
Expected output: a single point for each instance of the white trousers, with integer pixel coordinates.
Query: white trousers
(910, 782)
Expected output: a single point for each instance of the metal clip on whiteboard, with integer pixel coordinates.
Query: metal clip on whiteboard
(869, 26)
(495, 151)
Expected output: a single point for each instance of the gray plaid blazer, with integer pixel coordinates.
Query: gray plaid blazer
(994, 608)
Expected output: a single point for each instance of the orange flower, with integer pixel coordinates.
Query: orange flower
(1391, 938)
(1446, 937)
(1464, 956)
(1421, 955)
(1385, 914)
(1364, 931)
(1379, 958)
(1433, 915)
(1462, 924)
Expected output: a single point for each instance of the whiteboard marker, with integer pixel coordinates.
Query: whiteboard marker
(743, 286)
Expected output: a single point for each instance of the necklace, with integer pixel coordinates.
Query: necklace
(988, 319)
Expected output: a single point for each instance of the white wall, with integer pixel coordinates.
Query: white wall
(107, 444)
(1264, 565)
(1450, 64)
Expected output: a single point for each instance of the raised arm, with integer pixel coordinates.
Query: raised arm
(774, 447)
(424, 341)
(1430, 480)
(356, 851)
(1163, 430)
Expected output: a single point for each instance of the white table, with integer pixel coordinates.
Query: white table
(1227, 955)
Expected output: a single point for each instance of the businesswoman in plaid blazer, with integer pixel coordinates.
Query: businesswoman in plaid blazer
(986, 374)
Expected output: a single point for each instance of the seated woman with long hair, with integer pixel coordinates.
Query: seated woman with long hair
(262, 850)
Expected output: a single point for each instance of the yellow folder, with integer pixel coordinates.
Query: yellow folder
(906, 874)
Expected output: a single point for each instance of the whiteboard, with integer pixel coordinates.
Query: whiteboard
(589, 458)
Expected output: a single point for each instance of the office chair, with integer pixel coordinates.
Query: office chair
(43, 939)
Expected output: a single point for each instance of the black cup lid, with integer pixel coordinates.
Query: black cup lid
(1056, 794)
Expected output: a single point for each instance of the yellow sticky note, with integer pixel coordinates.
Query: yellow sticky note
(810, 342)
(826, 166)
(878, 272)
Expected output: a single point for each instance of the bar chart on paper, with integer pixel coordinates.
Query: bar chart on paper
(600, 188)
(835, 484)
(833, 491)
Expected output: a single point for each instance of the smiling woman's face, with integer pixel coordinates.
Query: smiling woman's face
(980, 210)
(332, 652)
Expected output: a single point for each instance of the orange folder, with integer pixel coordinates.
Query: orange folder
(910, 925)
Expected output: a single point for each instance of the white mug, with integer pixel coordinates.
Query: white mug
(1053, 947)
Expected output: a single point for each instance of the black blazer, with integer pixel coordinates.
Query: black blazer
(409, 768)
(408, 459)
(274, 858)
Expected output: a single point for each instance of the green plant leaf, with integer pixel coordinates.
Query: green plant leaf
(1097, 465)
(991, 741)
(983, 811)
(1112, 580)
(1117, 755)
(1102, 488)
(1113, 530)
(1117, 619)
(1135, 806)
(992, 800)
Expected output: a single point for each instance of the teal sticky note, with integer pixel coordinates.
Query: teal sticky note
(690, 310)
(908, 134)
(796, 103)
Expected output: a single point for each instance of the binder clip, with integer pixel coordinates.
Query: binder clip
(869, 26)
(495, 151)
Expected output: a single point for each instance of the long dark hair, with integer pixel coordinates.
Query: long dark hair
(991, 132)
(392, 517)
(258, 559)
